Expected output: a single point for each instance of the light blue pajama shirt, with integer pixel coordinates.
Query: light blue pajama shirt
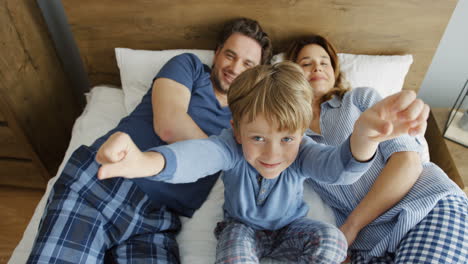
(277, 202)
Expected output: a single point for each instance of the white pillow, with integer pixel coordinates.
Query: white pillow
(385, 73)
(138, 68)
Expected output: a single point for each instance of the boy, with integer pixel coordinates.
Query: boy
(265, 160)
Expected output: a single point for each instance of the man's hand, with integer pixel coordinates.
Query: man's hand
(120, 157)
(396, 115)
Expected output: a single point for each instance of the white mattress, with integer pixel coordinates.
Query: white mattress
(197, 243)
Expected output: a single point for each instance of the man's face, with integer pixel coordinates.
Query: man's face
(238, 54)
(267, 149)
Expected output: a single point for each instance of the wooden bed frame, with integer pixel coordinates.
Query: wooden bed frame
(359, 26)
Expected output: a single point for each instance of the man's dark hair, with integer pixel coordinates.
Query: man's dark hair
(249, 28)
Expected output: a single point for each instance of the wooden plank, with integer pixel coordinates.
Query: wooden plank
(2, 119)
(14, 135)
(439, 152)
(361, 26)
(457, 152)
(16, 208)
(20, 173)
(10, 145)
(33, 83)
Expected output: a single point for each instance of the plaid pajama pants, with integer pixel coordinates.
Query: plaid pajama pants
(91, 221)
(303, 241)
(441, 237)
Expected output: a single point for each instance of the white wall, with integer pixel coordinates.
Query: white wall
(449, 68)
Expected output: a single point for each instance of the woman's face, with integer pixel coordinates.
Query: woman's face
(318, 68)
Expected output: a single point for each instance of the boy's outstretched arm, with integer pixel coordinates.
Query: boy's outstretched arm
(395, 115)
(120, 157)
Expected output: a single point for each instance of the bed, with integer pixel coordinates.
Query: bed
(106, 105)
(398, 39)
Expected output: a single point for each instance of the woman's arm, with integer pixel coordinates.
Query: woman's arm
(171, 121)
(395, 180)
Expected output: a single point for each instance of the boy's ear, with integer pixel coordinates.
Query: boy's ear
(236, 133)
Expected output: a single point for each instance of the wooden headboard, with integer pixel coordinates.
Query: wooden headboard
(358, 26)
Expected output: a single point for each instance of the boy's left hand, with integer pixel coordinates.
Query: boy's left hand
(120, 157)
(395, 115)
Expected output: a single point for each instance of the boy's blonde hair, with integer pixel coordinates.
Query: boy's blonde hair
(280, 92)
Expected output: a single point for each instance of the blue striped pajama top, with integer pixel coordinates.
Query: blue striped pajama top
(384, 233)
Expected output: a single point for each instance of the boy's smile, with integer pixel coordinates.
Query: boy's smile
(265, 148)
(266, 165)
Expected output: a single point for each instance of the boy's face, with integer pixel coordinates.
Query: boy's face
(267, 149)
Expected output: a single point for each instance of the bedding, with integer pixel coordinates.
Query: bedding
(105, 107)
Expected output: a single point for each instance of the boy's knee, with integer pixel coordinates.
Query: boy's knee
(332, 246)
(233, 229)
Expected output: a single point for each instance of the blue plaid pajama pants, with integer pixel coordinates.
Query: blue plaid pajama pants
(112, 221)
(303, 241)
(441, 237)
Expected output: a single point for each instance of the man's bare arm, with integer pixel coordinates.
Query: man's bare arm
(171, 121)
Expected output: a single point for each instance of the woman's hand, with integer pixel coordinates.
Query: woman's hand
(120, 157)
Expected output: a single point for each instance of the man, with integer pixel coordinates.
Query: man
(117, 220)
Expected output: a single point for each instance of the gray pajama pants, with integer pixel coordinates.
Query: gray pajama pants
(303, 241)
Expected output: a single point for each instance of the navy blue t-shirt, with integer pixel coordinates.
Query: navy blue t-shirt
(204, 109)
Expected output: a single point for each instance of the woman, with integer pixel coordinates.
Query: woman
(400, 211)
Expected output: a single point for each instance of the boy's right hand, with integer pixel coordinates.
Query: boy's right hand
(396, 115)
(120, 157)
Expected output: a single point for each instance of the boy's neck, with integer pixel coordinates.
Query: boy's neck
(315, 124)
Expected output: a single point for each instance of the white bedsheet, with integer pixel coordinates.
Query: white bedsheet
(197, 243)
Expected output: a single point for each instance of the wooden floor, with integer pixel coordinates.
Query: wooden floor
(16, 208)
